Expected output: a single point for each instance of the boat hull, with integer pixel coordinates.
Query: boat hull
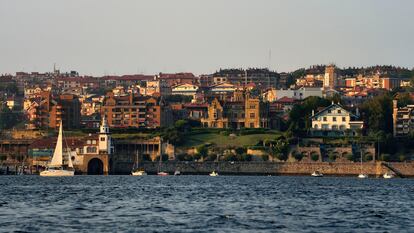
(362, 176)
(213, 174)
(139, 173)
(57, 173)
(162, 174)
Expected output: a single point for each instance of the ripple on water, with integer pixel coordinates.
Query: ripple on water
(202, 204)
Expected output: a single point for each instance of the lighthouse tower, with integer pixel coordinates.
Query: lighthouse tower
(105, 139)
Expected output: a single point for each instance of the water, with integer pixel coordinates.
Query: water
(205, 204)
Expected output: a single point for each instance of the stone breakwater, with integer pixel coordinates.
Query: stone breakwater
(373, 169)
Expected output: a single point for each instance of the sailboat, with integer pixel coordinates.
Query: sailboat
(362, 175)
(214, 173)
(388, 175)
(56, 166)
(135, 169)
(160, 173)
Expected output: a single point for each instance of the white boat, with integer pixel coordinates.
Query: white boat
(177, 173)
(388, 175)
(138, 173)
(135, 171)
(317, 174)
(162, 174)
(213, 173)
(361, 174)
(56, 167)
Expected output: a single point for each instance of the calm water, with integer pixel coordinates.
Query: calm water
(205, 204)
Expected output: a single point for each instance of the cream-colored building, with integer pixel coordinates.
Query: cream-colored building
(335, 120)
(185, 89)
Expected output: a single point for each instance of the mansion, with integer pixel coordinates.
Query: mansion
(335, 120)
(242, 111)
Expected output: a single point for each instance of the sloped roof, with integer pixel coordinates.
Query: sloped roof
(330, 107)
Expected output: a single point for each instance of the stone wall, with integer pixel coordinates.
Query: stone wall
(373, 169)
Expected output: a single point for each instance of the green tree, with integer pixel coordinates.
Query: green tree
(203, 151)
(377, 113)
(8, 119)
(299, 116)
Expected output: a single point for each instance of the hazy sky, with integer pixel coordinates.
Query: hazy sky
(136, 36)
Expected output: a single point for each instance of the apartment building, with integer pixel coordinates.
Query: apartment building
(131, 110)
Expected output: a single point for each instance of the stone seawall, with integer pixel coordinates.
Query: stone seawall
(274, 168)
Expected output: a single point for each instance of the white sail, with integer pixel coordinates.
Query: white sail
(70, 164)
(57, 159)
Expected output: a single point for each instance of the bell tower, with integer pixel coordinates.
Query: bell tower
(105, 139)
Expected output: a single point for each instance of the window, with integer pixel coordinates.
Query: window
(343, 119)
(93, 141)
(102, 139)
(251, 125)
(339, 111)
(88, 142)
(324, 119)
(333, 118)
(252, 115)
(329, 111)
(91, 149)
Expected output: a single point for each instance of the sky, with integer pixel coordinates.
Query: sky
(102, 37)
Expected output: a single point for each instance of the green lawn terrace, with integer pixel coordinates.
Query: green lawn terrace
(224, 139)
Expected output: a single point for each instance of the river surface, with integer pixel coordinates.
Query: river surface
(205, 204)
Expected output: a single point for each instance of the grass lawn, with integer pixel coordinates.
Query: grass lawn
(219, 140)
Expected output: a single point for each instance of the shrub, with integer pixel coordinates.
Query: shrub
(197, 156)
(281, 156)
(211, 157)
(315, 157)
(230, 157)
(385, 157)
(332, 156)
(240, 150)
(298, 156)
(183, 157)
(265, 157)
(350, 157)
(368, 157)
(202, 150)
(246, 157)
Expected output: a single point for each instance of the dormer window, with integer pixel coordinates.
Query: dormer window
(339, 111)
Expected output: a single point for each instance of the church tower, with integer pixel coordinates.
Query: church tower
(105, 139)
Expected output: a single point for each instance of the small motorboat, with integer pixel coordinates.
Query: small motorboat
(139, 173)
(362, 176)
(317, 174)
(162, 173)
(177, 173)
(214, 173)
(388, 175)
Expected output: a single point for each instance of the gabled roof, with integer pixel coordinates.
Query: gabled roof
(330, 107)
(221, 85)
